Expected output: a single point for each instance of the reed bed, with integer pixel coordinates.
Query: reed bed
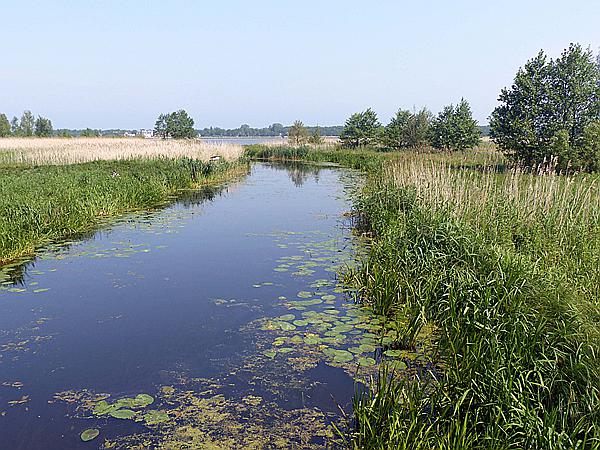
(61, 151)
(505, 269)
(499, 269)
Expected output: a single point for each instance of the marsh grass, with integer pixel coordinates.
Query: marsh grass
(39, 204)
(505, 268)
(502, 267)
(60, 151)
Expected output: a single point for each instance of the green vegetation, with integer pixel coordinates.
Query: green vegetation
(503, 269)
(273, 130)
(43, 127)
(552, 111)
(176, 125)
(368, 159)
(454, 128)
(43, 203)
(315, 137)
(408, 130)
(4, 126)
(494, 277)
(361, 130)
(298, 133)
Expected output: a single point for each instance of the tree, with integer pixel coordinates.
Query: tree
(395, 133)
(176, 125)
(315, 137)
(160, 127)
(15, 129)
(454, 128)
(298, 133)
(361, 129)
(88, 132)
(63, 134)
(43, 127)
(276, 129)
(4, 126)
(548, 107)
(27, 124)
(407, 130)
(588, 150)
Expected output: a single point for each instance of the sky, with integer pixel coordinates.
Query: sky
(118, 64)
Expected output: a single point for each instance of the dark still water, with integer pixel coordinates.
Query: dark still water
(214, 323)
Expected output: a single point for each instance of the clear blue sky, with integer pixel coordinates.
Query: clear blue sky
(117, 64)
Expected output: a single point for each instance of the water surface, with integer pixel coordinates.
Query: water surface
(223, 308)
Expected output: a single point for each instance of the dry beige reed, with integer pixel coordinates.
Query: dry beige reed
(59, 151)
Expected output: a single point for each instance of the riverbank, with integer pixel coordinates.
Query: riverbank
(492, 277)
(50, 197)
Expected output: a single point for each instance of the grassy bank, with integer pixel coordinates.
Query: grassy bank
(493, 277)
(47, 202)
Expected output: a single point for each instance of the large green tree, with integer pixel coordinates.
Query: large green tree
(176, 125)
(407, 130)
(43, 127)
(27, 124)
(4, 126)
(361, 129)
(546, 111)
(454, 128)
(15, 129)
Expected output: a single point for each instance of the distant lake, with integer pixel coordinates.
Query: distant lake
(245, 140)
(254, 140)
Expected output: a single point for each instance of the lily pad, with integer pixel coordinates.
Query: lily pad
(366, 362)
(312, 340)
(122, 414)
(304, 294)
(328, 297)
(286, 317)
(343, 356)
(154, 417)
(397, 365)
(286, 326)
(270, 353)
(143, 400)
(103, 407)
(90, 434)
(300, 323)
(366, 348)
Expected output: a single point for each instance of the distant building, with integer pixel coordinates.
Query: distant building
(146, 133)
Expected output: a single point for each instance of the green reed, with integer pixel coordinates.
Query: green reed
(43, 203)
(492, 263)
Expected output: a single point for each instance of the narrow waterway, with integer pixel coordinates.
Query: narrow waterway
(217, 322)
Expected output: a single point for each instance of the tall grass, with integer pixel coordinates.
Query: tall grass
(59, 151)
(500, 269)
(504, 267)
(46, 202)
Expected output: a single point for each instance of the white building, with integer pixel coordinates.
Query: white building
(146, 133)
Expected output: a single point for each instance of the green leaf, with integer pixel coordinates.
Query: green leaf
(90, 434)
(123, 414)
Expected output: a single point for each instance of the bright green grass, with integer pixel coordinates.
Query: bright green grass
(44, 203)
(502, 270)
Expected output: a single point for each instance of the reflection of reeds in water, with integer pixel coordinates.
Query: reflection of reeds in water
(41, 151)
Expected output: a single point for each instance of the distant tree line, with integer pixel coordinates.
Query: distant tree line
(452, 129)
(27, 125)
(552, 112)
(273, 130)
